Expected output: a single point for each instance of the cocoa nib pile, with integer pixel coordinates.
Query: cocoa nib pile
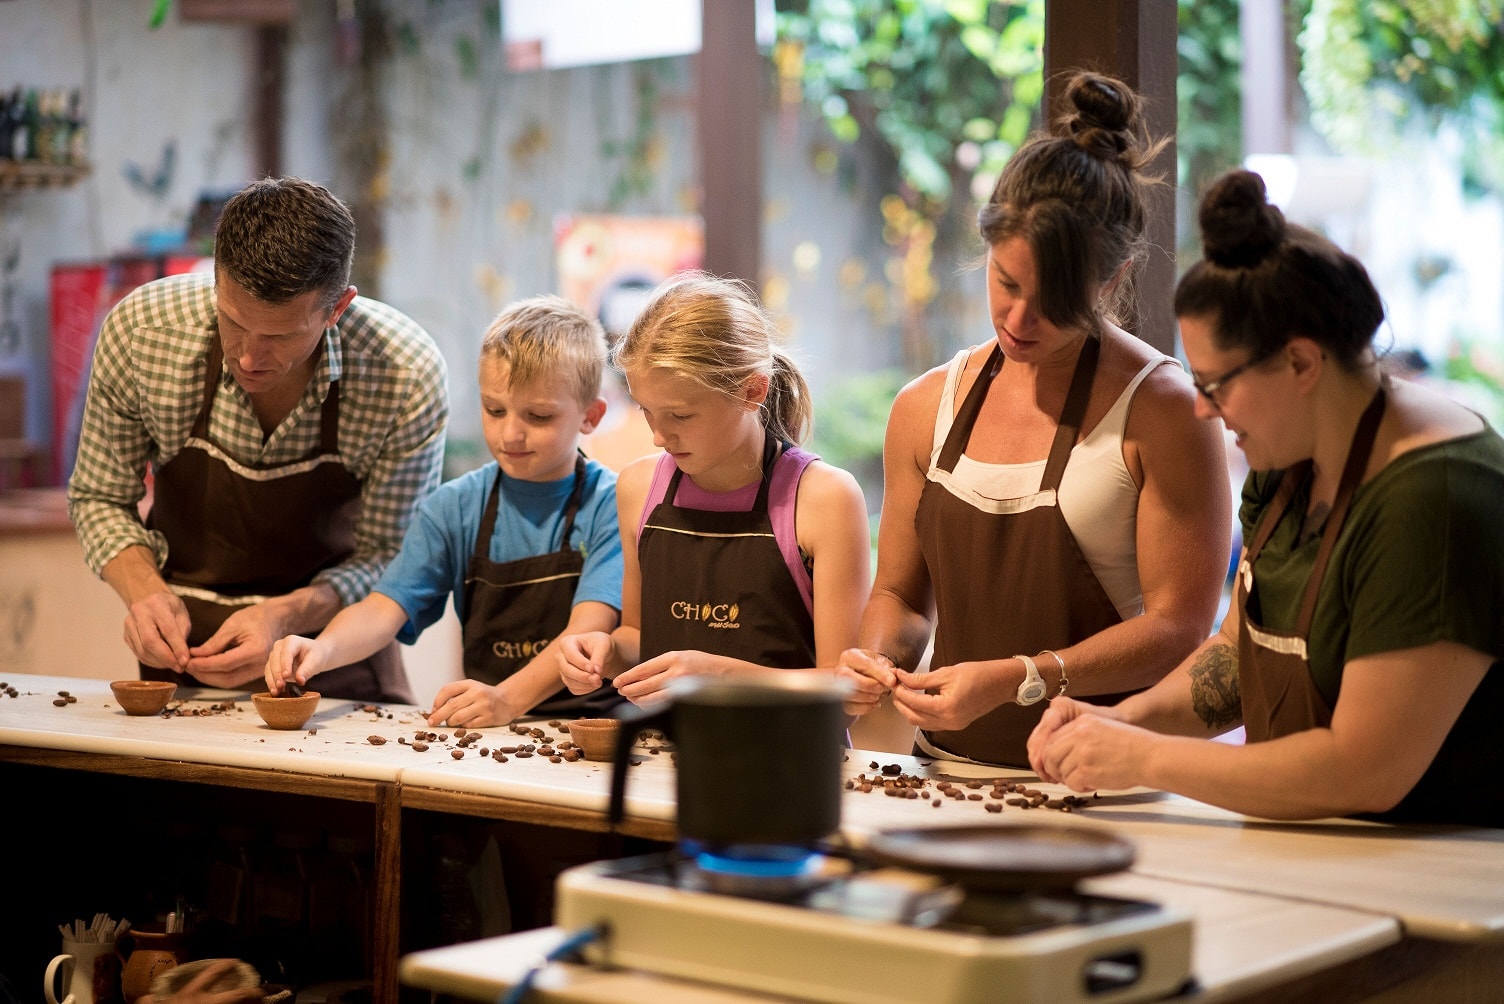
(536, 742)
(894, 783)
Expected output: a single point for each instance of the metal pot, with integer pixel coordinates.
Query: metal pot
(759, 757)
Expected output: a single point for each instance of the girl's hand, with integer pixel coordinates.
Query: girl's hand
(583, 659)
(645, 681)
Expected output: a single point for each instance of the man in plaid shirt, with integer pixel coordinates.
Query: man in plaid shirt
(289, 426)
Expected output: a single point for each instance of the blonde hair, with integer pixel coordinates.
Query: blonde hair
(549, 337)
(712, 331)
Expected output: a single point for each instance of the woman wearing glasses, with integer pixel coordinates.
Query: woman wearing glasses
(1051, 506)
(1366, 622)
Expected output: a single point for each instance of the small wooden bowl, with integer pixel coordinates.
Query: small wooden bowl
(143, 697)
(596, 737)
(286, 712)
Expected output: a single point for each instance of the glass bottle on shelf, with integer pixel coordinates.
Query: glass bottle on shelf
(5, 126)
(44, 127)
(22, 108)
(78, 136)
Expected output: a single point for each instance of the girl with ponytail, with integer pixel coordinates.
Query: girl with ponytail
(743, 553)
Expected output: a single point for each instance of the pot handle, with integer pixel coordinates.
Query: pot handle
(634, 721)
(49, 981)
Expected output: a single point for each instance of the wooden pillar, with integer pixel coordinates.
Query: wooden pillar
(731, 75)
(270, 84)
(1135, 41)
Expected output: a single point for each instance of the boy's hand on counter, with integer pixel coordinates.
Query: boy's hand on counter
(294, 659)
(473, 704)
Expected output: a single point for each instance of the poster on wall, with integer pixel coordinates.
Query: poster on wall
(609, 265)
(556, 34)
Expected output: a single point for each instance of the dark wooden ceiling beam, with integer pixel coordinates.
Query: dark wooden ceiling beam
(731, 76)
(1135, 41)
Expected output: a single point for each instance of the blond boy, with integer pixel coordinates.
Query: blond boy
(528, 545)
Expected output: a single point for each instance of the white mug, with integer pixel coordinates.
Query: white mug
(90, 970)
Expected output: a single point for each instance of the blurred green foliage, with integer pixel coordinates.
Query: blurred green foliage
(1372, 67)
(928, 76)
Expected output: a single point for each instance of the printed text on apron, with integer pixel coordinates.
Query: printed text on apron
(514, 609)
(717, 582)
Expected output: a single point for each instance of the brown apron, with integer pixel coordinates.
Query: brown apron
(1008, 583)
(514, 609)
(1279, 695)
(716, 582)
(236, 537)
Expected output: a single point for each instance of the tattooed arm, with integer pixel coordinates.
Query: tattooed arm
(1215, 696)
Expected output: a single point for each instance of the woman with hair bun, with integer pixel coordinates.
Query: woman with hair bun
(1362, 652)
(742, 553)
(1052, 508)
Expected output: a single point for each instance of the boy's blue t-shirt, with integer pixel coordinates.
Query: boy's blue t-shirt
(529, 518)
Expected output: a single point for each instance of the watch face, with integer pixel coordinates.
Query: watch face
(1030, 691)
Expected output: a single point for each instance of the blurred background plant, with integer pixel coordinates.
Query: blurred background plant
(945, 91)
(1476, 369)
(1372, 67)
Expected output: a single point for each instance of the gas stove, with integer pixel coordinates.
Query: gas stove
(828, 927)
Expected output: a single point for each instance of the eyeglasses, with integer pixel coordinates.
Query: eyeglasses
(1209, 389)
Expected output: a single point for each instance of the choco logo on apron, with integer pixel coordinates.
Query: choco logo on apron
(717, 582)
(514, 609)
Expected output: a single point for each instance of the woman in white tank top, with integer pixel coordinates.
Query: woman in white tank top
(1053, 511)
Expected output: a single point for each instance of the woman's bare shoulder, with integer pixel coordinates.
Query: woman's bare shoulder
(922, 394)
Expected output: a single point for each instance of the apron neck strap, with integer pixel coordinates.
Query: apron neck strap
(1066, 430)
(1289, 479)
(493, 499)
(1352, 473)
(573, 505)
(1072, 414)
(966, 417)
(329, 420)
(212, 367)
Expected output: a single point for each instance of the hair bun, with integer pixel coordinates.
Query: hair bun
(1106, 112)
(1239, 226)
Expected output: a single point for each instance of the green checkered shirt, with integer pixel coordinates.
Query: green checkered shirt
(146, 387)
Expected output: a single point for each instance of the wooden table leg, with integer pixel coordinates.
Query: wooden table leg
(386, 924)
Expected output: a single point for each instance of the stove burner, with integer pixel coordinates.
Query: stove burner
(764, 871)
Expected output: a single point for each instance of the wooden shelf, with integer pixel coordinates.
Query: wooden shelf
(26, 175)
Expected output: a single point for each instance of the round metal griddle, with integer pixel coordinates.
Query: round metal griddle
(1017, 858)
